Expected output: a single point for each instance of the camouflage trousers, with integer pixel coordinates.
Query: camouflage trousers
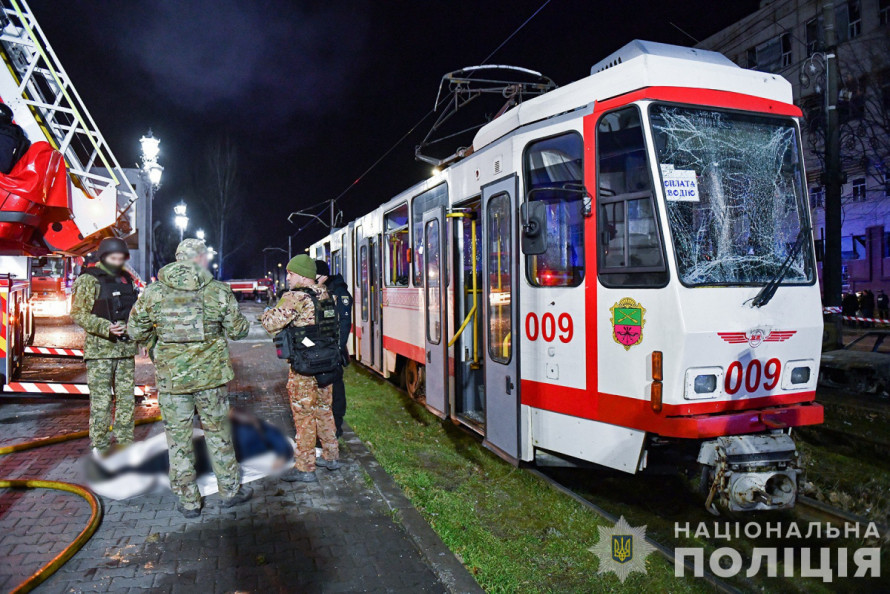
(178, 411)
(311, 407)
(111, 383)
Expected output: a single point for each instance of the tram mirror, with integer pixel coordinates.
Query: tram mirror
(534, 223)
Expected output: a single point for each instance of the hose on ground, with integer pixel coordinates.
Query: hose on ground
(95, 507)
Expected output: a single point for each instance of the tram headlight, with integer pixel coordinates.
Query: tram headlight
(800, 375)
(705, 384)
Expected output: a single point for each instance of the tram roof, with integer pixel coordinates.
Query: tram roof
(638, 65)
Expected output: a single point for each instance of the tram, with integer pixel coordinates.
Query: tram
(620, 272)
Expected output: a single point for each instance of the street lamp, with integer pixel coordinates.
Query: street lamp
(152, 170)
(180, 220)
(200, 234)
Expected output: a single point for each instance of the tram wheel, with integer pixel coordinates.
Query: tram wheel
(414, 381)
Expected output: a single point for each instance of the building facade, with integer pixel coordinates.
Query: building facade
(785, 37)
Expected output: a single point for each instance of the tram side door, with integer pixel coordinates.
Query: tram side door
(376, 313)
(366, 353)
(435, 301)
(499, 303)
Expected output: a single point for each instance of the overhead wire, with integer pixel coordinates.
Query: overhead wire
(433, 110)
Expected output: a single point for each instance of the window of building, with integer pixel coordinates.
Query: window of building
(814, 35)
(397, 248)
(854, 16)
(363, 271)
(884, 12)
(422, 204)
(751, 58)
(817, 197)
(772, 55)
(500, 279)
(859, 194)
(630, 249)
(853, 247)
(785, 40)
(553, 175)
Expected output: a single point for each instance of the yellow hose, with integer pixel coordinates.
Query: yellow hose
(95, 508)
(95, 518)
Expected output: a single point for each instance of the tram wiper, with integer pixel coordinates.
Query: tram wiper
(770, 288)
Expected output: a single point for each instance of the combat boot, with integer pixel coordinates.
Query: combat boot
(329, 464)
(294, 475)
(188, 512)
(243, 494)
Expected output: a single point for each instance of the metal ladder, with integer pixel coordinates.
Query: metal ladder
(54, 104)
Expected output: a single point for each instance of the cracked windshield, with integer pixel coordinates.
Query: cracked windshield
(732, 186)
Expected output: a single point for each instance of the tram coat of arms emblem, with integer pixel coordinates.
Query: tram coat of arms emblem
(628, 319)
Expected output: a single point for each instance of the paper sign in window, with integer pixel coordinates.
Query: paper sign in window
(680, 185)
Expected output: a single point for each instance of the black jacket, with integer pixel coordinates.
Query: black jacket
(343, 300)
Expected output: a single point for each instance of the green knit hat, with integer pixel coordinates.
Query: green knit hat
(302, 265)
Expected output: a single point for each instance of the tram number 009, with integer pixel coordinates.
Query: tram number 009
(752, 376)
(549, 327)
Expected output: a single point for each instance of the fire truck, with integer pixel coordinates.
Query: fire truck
(60, 199)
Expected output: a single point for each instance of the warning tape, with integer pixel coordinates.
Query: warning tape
(53, 352)
(837, 310)
(55, 388)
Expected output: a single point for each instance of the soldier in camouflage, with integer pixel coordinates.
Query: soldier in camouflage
(310, 404)
(109, 356)
(189, 315)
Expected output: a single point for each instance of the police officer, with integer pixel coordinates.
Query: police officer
(103, 297)
(338, 290)
(189, 315)
(310, 403)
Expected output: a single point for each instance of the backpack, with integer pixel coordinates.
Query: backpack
(13, 142)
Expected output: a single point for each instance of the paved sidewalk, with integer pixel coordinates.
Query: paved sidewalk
(337, 535)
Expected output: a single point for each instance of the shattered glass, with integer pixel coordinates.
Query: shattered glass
(733, 193)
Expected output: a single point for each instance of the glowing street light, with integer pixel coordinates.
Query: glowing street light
(151, 149)
(200, 234)
(180, 220)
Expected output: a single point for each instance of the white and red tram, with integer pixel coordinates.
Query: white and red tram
(622, 270)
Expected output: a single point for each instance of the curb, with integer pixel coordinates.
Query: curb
(450, 571)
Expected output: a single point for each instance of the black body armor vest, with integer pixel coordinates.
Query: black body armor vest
(117, 294)
(313, 349)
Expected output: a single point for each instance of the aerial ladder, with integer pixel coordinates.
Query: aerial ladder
(66, 193)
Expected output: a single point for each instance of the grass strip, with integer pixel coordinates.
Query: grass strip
(511, 530)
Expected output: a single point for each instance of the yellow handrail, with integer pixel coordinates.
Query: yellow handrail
(472, 314)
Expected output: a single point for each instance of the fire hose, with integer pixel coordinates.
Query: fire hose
(95, 506)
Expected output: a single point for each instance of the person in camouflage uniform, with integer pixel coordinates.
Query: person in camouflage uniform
(109, 357)
(310, 404)
(189, 315)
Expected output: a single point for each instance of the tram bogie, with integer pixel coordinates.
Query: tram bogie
(620, 262)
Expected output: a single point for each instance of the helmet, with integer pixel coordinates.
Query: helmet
(190, 248)
(112, 245)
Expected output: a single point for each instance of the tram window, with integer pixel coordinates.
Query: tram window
(433, 272)
(335, 262)
(397, 247)
(363, 263)
(500, 280)
(423, 203)
(630, 250)
(550, 165)
(327, 253)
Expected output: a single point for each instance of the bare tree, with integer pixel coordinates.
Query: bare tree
(864, 109)
(220, 195)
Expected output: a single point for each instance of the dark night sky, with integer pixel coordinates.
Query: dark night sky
(314, 92)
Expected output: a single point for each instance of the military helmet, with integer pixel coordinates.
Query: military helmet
(112, 245)
(190, 248)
